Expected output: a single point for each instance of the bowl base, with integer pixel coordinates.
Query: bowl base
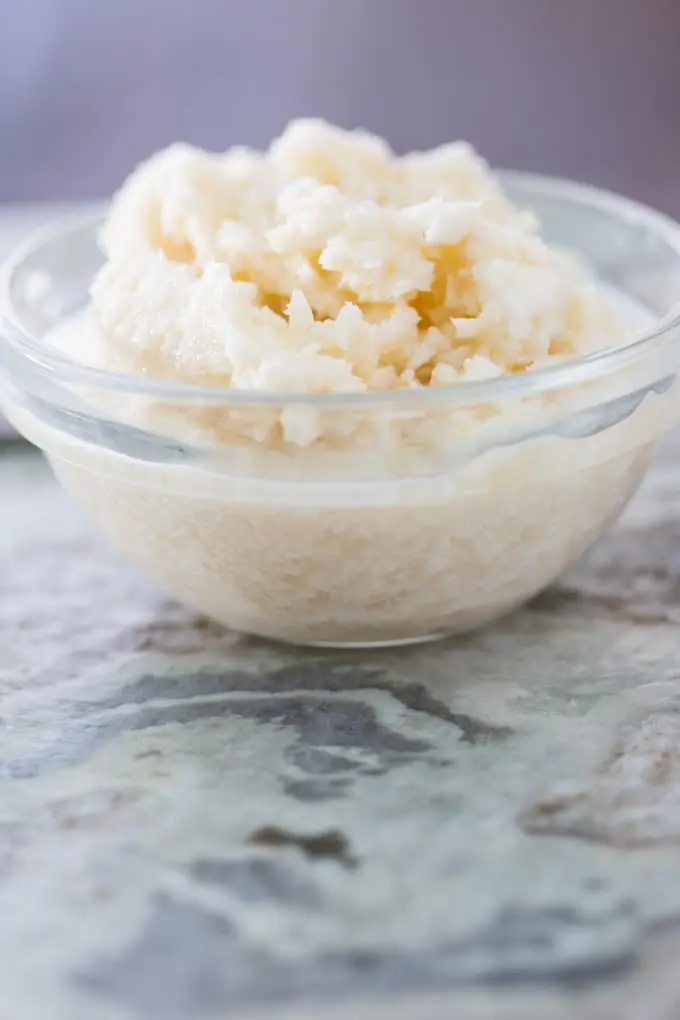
(401, 642)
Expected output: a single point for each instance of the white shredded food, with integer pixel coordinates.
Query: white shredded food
(330, 265)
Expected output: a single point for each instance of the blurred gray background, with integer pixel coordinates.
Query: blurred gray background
(585, 88)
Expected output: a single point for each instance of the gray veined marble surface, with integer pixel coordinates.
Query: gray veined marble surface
(197, 826)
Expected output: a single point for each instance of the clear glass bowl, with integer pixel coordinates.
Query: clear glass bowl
(420, 513)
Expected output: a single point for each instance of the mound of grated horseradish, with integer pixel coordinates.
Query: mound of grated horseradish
(328, 265)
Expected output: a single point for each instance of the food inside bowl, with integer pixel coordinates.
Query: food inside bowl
(325, 394)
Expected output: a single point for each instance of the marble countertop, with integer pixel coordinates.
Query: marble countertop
(195, 826)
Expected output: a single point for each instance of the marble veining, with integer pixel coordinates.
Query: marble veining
(195, 825)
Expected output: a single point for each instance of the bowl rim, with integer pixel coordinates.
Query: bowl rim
(565, 374)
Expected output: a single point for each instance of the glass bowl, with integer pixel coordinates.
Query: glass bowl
(415, 514)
